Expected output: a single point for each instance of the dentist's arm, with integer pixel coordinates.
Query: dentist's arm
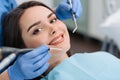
(64, 11)
(5, 7)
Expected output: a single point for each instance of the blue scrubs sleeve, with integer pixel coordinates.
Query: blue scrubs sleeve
(5, 7)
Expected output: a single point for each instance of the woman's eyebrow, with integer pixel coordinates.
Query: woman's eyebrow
(50, 15)
(36, 23)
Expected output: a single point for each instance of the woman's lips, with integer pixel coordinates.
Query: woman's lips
(57, 40)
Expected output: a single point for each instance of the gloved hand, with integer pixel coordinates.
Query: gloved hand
(64, 11)
(30, 65)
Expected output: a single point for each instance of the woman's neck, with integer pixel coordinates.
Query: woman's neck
(54, 61)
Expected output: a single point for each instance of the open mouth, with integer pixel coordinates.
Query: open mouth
(57, 40)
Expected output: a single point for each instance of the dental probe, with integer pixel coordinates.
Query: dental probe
(59, 53)
(55, 49)
(74, 19)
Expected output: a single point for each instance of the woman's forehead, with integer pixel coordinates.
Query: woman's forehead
(40, 9)
(34, 14)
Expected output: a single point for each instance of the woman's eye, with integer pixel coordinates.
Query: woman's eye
(36, 31)
(53, 20)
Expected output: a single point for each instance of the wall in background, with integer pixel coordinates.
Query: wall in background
(47, 2)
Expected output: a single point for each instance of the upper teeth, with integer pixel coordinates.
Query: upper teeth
(57, 40)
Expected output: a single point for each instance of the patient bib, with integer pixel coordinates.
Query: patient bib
(88, 66)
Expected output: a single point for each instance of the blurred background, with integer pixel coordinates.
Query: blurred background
(89, 36)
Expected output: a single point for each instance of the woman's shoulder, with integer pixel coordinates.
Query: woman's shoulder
(96, 57)
(98, 64)
(92, 53)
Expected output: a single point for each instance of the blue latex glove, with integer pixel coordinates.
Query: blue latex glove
(64, 11)
(5, 7)
(30, 65)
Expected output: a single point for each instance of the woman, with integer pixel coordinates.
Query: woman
(63, 10)
(33, 24)
(32, 30)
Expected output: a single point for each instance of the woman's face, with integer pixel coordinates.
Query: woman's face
(40, 26)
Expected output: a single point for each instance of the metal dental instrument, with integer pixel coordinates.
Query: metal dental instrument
(13, 53)
(74, 19)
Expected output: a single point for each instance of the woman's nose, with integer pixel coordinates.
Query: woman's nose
(53, 30)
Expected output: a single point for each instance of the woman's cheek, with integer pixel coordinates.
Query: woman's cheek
(42, 40)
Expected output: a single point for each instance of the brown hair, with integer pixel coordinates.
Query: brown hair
(11, 27)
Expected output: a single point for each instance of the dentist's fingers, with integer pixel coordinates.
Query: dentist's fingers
(36, 52)
(41, 70)
(41, 62)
